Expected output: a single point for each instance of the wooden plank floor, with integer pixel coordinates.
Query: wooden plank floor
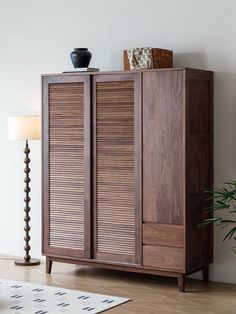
(149, 294)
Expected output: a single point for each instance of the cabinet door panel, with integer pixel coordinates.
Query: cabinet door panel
(117, 168)
(66, 171)
(163, 147)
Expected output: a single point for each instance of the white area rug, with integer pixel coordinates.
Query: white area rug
(25, 298)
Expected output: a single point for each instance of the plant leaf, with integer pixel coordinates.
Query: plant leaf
(208, 221)
(230, 234)
(228, 221)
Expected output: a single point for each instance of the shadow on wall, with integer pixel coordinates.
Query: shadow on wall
(191, 60)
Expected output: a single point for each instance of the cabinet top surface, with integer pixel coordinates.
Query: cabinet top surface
(123, 72)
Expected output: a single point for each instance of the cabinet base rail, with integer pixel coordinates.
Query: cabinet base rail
(181, 277)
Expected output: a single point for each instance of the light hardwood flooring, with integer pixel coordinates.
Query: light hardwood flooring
(148, 294)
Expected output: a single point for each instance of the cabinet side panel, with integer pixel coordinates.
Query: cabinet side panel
(163, 145)
(45, 165)
(199, 165)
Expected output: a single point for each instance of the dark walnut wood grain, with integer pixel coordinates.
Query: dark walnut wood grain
(64, 170)
(66, 165)
(115, 169)
(163, 147)
(163, 257)
(126, 159)
(199, 167)
(163, 234)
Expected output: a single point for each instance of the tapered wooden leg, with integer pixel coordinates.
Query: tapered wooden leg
(205, 273)
(48, 265)
(181, 282)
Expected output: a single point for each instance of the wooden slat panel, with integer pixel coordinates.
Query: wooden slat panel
(66, 165)
(163, 234)
(163, 257)
(115, 174)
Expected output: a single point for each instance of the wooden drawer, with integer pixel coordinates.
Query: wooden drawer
(163, 234)
(163, 257)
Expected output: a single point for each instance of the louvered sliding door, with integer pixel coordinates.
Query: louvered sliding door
(117, 167)
(66, 162)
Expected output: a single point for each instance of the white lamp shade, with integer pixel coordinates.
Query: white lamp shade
(24, 128)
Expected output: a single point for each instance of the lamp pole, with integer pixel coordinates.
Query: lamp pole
(27, 261)
(25, 128)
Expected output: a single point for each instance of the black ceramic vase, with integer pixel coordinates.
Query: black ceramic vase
(81, 57)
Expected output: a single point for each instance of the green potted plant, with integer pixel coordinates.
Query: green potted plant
(224, 200)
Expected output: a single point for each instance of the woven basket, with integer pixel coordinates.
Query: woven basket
(162, 58)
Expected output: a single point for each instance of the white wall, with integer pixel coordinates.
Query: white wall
(37, 36)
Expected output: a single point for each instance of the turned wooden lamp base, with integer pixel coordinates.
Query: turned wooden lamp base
(26, 128)
(32, 262)
(27, 260)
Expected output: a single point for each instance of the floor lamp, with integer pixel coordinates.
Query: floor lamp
(25, 128)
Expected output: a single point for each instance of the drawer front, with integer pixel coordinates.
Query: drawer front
(171, 258)
(163, 234)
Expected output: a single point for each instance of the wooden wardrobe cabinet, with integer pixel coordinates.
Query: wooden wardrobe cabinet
(127, 157)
